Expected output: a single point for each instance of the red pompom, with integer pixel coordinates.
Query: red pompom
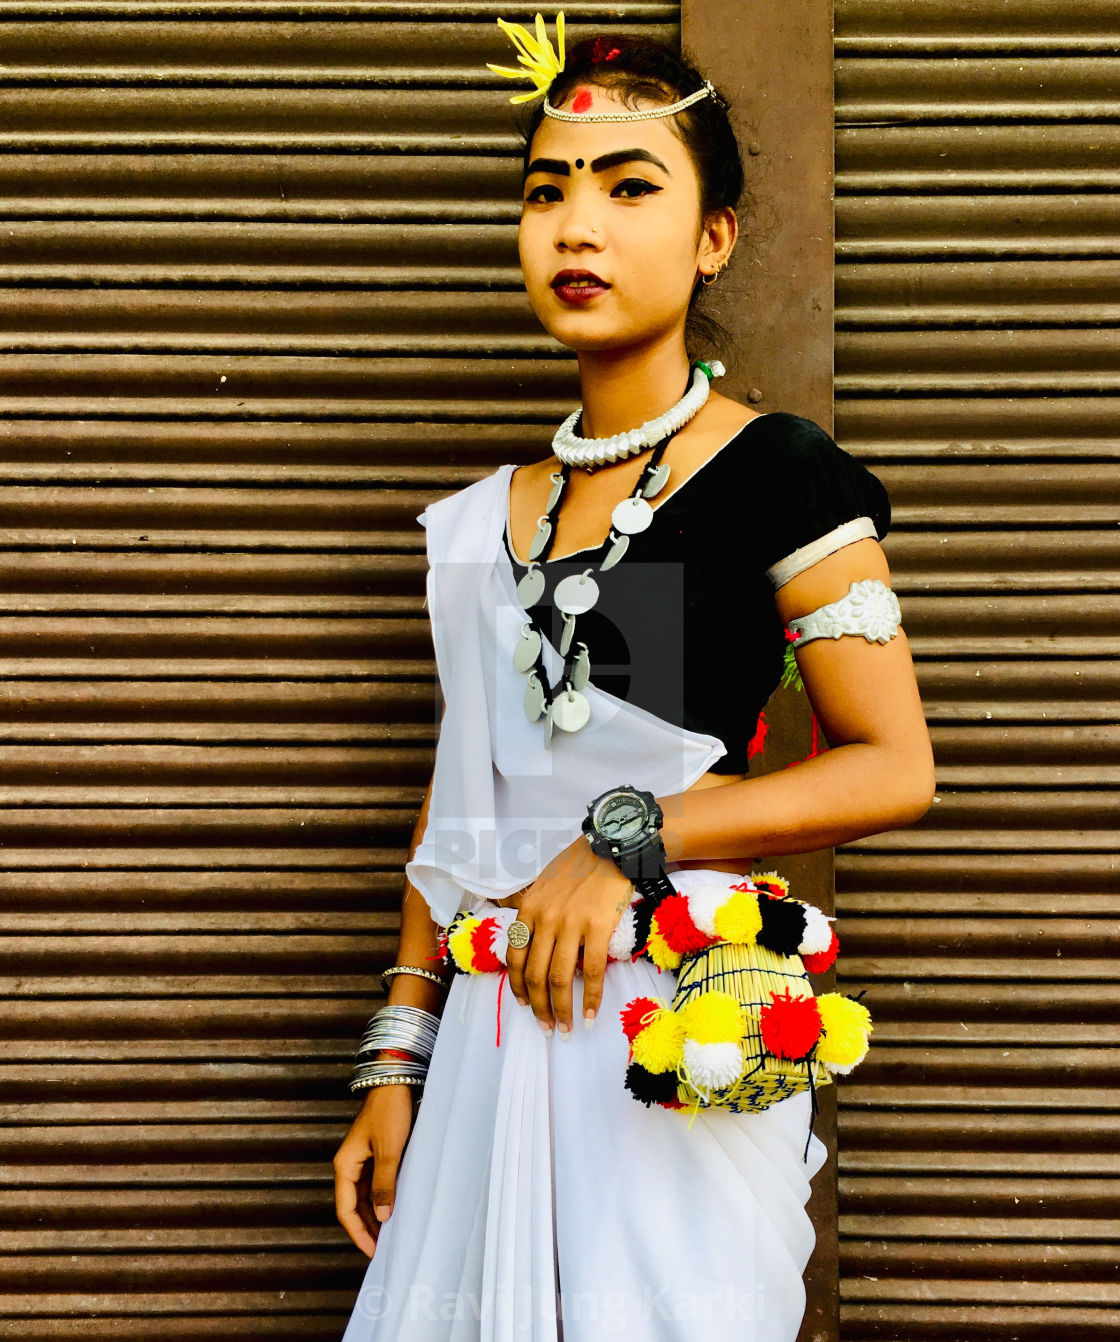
(771, 888)
(818, 963)
(790, 1025)
(632, 1013)
(676, 926)
(485, 961)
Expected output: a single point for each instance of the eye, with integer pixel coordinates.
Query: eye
(535, 198)
(632, 187)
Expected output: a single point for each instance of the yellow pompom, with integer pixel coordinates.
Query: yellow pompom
(658, 1047)
(660, 952)
(713, 1018)
(845, 1025)
(775, 884)
(459, 944)
(738, 917)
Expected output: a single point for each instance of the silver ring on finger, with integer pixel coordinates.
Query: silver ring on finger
(518, 934)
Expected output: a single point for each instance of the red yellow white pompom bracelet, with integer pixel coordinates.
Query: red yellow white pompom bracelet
(744, 1029)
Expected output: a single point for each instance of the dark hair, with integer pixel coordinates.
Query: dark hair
(639, 67)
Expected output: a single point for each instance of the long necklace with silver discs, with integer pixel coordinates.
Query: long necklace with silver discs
(564, 704)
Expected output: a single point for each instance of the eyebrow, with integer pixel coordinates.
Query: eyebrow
(561, 168)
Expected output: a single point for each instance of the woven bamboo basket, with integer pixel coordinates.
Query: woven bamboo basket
(750, 973)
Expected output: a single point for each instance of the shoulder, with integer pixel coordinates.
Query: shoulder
(472, 494)
(465, 510)
(797, 455)
(783, 440)
(808, 491)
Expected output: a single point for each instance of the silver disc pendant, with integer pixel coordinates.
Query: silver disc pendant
(534, 698)
(540, 540)
(527, 650)
(576, 594)
(656, 482)
(555, 492)
(531, 587)
(581, 668)
(566, 635)
(570, 710)
(615, 553)
(631, 516)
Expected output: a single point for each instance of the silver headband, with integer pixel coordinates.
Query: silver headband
(648, 115)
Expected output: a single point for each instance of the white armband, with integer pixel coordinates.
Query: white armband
(869, 608)
(803, 558)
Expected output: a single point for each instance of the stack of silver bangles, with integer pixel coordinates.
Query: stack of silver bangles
(405, 1027)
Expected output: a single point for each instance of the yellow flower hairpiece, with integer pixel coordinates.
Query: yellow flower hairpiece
(542, 62)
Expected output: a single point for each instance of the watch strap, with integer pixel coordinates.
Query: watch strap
(645, 860)
(655, 887)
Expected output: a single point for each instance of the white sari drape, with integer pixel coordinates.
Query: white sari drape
(537, 1200)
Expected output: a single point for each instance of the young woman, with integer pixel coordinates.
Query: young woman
(530, 1196)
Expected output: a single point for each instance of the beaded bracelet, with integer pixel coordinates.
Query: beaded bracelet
(411, 969)
(367, 1082)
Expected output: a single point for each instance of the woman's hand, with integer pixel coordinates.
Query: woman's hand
(576, 901)
(365, 1165)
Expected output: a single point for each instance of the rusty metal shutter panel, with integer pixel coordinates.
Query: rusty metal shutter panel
(260, 305)
(978, 321)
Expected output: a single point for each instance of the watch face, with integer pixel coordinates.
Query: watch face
(621, 818)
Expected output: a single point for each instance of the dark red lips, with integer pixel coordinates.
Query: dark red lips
(578, 293)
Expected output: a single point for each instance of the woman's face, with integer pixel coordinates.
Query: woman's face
(621, 201)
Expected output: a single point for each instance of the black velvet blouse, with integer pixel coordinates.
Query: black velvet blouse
(685, 625)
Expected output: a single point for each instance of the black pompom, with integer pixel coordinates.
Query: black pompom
(644, 910)
(643, 917)
(783, 925)
(650, 1087)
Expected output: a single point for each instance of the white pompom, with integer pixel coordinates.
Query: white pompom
(841, 1069)
(621, 945)
(703, 900)
(818, 932)
(713, 1066)
(500, 943)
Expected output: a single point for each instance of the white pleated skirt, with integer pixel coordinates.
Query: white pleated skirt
(539, 1201)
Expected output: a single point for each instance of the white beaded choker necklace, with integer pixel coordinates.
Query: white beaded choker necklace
(573, 450)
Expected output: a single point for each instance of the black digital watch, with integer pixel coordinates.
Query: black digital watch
(624, 824)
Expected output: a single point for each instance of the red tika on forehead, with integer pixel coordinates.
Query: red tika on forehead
(582, 100)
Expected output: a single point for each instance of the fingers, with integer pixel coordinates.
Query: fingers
(594, 970)
(349, 1164)
(536, 959)
(516, 959)
(383, 1186)
(366, 1164)
(561, 970)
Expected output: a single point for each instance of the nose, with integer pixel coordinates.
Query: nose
(577, 226)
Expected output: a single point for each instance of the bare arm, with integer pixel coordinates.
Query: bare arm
(419, 937)
(879, 773)
(366, 1164)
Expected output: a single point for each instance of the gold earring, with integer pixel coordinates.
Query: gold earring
(707, 280)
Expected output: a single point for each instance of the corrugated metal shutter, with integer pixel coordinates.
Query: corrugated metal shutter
(260, 304)
(978, 317)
